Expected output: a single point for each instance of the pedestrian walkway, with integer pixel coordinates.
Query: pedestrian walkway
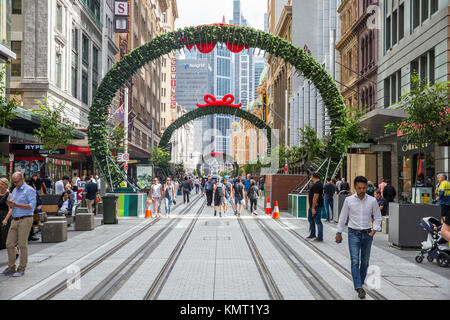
(216, 261)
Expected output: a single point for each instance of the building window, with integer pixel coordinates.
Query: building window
(424, 10)
(416, 13)
(94, 70)
(394, 27)
(392, 89)
(424, 67)
(401, 22)
(58, 69)
(388, 33)
(75, 62)
(59, 17)
(16, 64)
(434, 6)
(85, 52)
(16, 6)
(84, 87)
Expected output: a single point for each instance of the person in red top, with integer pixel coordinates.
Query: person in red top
(382, 185)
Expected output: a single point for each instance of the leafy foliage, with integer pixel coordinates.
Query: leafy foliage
(116, 140)
(159, 157)
(56, 129)
(7, 108)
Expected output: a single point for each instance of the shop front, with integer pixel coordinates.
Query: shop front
(416, 172)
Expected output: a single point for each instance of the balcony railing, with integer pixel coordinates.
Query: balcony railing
(96, 19)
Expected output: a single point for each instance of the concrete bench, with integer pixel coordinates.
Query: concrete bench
(54, 231)
(81, 210)
(67, 218)
(43, 217)
(84, 222)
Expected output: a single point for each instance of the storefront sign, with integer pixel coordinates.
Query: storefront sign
(121, 16)
(173, 86)
(411, 148)
(36, 149)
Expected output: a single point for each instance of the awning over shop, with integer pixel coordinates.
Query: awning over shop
(85, 150)
(377, 119)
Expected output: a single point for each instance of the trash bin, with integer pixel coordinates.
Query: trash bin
(110, 209)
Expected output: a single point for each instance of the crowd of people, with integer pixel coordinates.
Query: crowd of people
(221, 193)
(20, 205)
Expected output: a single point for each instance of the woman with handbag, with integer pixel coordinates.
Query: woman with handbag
(169, 194)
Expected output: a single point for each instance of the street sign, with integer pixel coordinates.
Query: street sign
(126, 166)
(123, 157)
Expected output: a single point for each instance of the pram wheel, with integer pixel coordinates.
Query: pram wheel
(430, 259)
(443, 260)
(419, 259)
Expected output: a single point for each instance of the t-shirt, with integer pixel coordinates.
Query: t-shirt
(328, 190)
(383, 202)
(443, 191)
(238, 188)
(317, 188)
(59, 187)
(247, 184)
(75, 181)
(91, 190)
(209, 185)
(156, 189)
(65, 205)
(253, 192)
(37, 184)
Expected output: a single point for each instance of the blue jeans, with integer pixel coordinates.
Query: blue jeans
(328, 203)
(315, 220)
(168, 202)
(359, 245)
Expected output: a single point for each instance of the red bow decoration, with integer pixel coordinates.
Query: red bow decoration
(225, 101)
(208, 47)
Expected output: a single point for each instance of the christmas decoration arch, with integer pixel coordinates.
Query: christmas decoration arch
(206, 37)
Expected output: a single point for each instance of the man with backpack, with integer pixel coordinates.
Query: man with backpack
(238, 195)
(228, 191)
(219, 194)
(253, 194)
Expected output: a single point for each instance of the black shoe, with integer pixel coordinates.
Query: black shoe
(310, 237)
(33, 239)
(215, 213)
(361, 293)
(318, 240)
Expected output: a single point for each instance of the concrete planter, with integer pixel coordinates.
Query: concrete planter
(404, 219)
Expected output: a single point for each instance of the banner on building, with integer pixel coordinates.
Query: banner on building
(121, 16)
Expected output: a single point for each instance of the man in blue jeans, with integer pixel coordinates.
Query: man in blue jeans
(315, 208)
(359, 210)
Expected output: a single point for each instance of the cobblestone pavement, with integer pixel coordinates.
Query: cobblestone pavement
(215, 262)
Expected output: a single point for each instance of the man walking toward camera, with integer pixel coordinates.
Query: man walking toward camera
(22, 203)
(359, 210)
(315, 198)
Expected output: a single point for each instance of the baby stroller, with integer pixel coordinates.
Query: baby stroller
(436, 247)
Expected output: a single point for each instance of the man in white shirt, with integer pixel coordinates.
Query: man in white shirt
(359, 210)
(60, 185)
(156, 196)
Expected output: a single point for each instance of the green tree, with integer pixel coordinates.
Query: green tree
(7, 107)
(116, 139)
(159, 157)
(56, 129)
(312, 146)
(428, 121)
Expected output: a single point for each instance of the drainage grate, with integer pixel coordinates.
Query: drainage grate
(217, 223)
(216, 238)
(405, 281)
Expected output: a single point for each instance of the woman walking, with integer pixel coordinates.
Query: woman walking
(169, 194)
(4, 209)
(156, 195)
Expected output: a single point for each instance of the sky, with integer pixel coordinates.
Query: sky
(197, 12)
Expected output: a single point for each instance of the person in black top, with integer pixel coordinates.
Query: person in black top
(91, 190)
(38, 184)
(315, 208)
(389, 194)
(344, 185)
(328, 191)
(381, 203)
(186, 188)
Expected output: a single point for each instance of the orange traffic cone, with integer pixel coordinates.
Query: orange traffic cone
(148, 212)
(276, 211)
(268, 207)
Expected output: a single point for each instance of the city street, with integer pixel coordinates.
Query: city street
(197, 256)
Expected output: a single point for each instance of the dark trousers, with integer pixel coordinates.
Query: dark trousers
(253, 202)
(4, 230)
(209, 196)
(197, 188)
(186, 196)
(315, 220)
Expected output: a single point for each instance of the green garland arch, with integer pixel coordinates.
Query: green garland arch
(176, 40)
(208, 110)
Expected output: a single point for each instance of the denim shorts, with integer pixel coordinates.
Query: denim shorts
(238, 200)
